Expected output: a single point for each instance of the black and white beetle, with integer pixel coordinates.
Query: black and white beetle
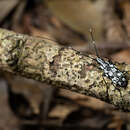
(113, 73)
(117, 77)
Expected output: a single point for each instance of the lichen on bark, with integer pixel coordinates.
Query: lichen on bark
(44, 60)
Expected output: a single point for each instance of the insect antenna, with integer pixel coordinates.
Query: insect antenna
(96, 51)
(93, 42)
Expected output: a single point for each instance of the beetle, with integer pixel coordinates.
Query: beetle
(117, 77)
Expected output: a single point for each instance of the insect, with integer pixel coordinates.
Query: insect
(117, 77)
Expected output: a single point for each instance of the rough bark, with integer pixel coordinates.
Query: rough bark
(44, 60)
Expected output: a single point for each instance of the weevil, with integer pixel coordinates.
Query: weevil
(117, 77)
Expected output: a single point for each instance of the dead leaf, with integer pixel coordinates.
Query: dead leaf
(123, 56)
(6, 6)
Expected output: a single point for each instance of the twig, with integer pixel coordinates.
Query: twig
(44, 60)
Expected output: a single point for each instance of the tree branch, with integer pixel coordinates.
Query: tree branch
(44, 60)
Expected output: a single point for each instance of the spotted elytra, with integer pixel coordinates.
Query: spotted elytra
(117, 77)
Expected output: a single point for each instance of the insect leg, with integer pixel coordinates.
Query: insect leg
(117, 88)
(126, 73)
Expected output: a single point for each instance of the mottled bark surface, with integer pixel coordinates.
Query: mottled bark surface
(46, 61)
